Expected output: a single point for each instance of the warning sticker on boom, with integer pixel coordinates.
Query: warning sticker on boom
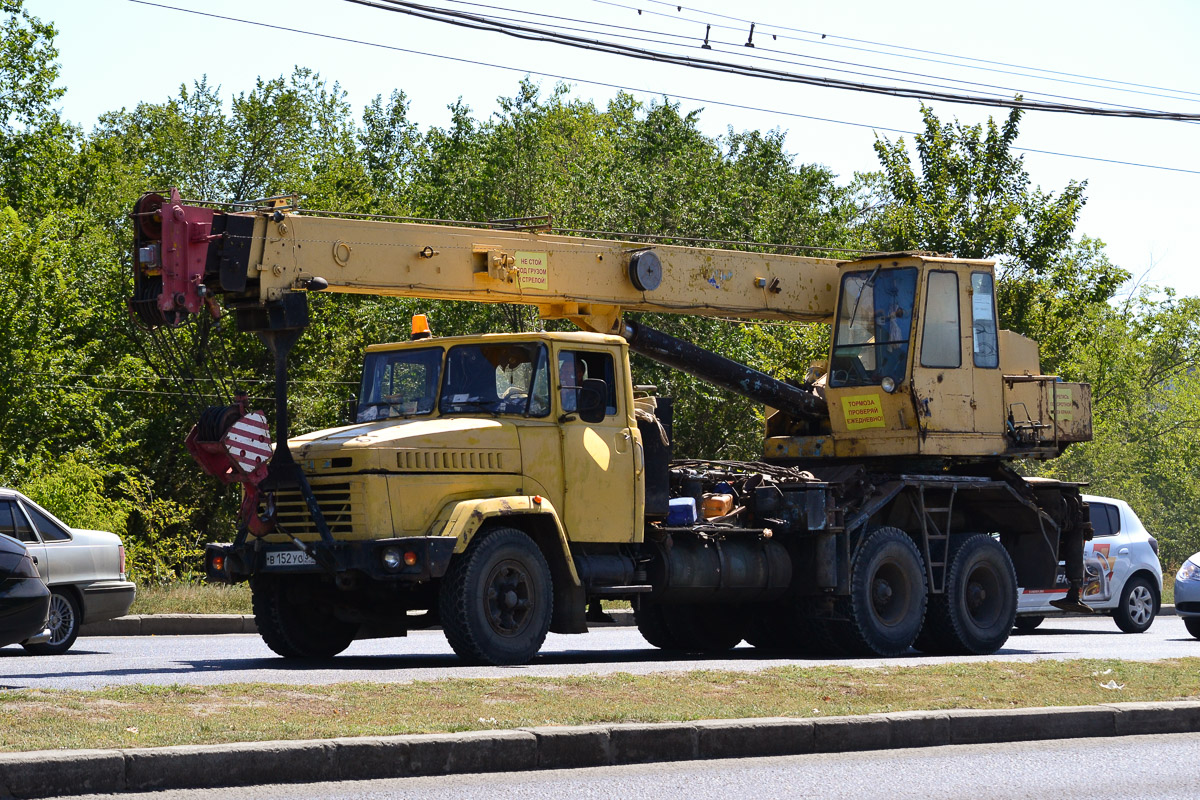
(862, 411)
(533, 270)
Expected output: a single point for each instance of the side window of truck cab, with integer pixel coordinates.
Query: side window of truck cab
(576, 366)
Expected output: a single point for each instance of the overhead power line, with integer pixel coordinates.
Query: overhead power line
(825, 36)
(778, 56)
(528, 33)
(634, 89)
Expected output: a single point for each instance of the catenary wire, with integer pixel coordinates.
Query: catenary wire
(557, 76)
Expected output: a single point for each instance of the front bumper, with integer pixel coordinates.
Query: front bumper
(421, 558)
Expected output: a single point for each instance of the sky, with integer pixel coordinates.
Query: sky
(117, 53)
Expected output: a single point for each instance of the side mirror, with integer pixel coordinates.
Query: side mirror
(593, 400)
(350, 410)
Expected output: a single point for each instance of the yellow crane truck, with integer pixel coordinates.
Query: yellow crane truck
(496, 484)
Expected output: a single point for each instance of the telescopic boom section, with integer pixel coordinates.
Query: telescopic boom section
(186, 255)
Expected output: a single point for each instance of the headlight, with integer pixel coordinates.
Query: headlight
(392, 557)
(1190, 571)
(888, 384)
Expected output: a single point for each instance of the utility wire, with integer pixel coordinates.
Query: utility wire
(620, 87)
(824, 36)
(476, 22)
(758, 51)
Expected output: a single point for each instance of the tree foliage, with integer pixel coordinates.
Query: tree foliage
(92, 426)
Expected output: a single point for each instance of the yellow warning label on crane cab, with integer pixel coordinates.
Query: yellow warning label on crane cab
(533, 270)
(1062, 403)
(862, 411)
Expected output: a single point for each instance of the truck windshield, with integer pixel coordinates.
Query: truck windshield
(508, 378)
(874, 327)
(400, 383)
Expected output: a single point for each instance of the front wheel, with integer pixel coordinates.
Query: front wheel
(1027, 624)
(1135, 612)
(295, 616)
(496, 599)
(1193, 626)
(64, 624)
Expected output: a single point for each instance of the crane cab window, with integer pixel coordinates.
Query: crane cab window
(983, 320)
(941, 338)
(874, 327)
(400, 383)
(575, 366)
(501, 378)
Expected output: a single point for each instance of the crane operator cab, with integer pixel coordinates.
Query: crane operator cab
(919, 367)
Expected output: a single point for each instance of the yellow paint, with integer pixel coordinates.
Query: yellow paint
(533, 270)
(863, 411)
(597, 449)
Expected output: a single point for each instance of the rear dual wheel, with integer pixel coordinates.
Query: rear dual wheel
(976, 613)
(690, 627)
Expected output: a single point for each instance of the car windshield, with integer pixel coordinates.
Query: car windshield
(508, 378)
(400, 383)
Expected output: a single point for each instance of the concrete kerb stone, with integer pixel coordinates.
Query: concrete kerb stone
(1031, 724)
(1134, 719)
(50, 773)
(749, 738)
(205, 766)
(46, 773)
(648, 743)
(573, 747)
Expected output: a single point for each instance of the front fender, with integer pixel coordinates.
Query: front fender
(464, 518)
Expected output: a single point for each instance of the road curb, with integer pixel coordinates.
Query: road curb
(63, 772)
(214, 624)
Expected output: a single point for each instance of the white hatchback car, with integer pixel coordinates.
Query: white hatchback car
(1122, 576)
(84, 569)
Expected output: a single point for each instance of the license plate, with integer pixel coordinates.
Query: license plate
(289, 558)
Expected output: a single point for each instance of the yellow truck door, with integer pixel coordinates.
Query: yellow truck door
(600, 459)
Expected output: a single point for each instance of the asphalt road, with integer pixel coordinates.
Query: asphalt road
(1096, 769)
(424, 655)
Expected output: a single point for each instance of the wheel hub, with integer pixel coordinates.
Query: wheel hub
(882, 592)
(508, 605)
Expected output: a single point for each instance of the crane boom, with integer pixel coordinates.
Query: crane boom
(259, 257)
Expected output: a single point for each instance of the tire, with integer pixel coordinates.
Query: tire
(295, 618)
(1139, 602)
(496, 599)
(978, 610)
(1193, 626)
(792, 628)
(1027, 624)
(888, 594)
(703, 628)
(652, 625)
(65, 618)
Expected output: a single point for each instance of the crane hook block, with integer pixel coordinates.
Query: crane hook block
(645, 270)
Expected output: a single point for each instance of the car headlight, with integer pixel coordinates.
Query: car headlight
(1190, 571)
(392, 557)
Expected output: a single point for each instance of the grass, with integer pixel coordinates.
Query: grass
(192, 598)
(151, 716)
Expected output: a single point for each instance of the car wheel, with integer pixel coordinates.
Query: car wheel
(1135, 612)
(64, 624)
(1193, 626)
(496, 599)
(1026, 624)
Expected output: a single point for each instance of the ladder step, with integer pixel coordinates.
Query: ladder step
(937, 510)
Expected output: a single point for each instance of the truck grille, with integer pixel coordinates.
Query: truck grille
(340, 504)
(450, 460)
